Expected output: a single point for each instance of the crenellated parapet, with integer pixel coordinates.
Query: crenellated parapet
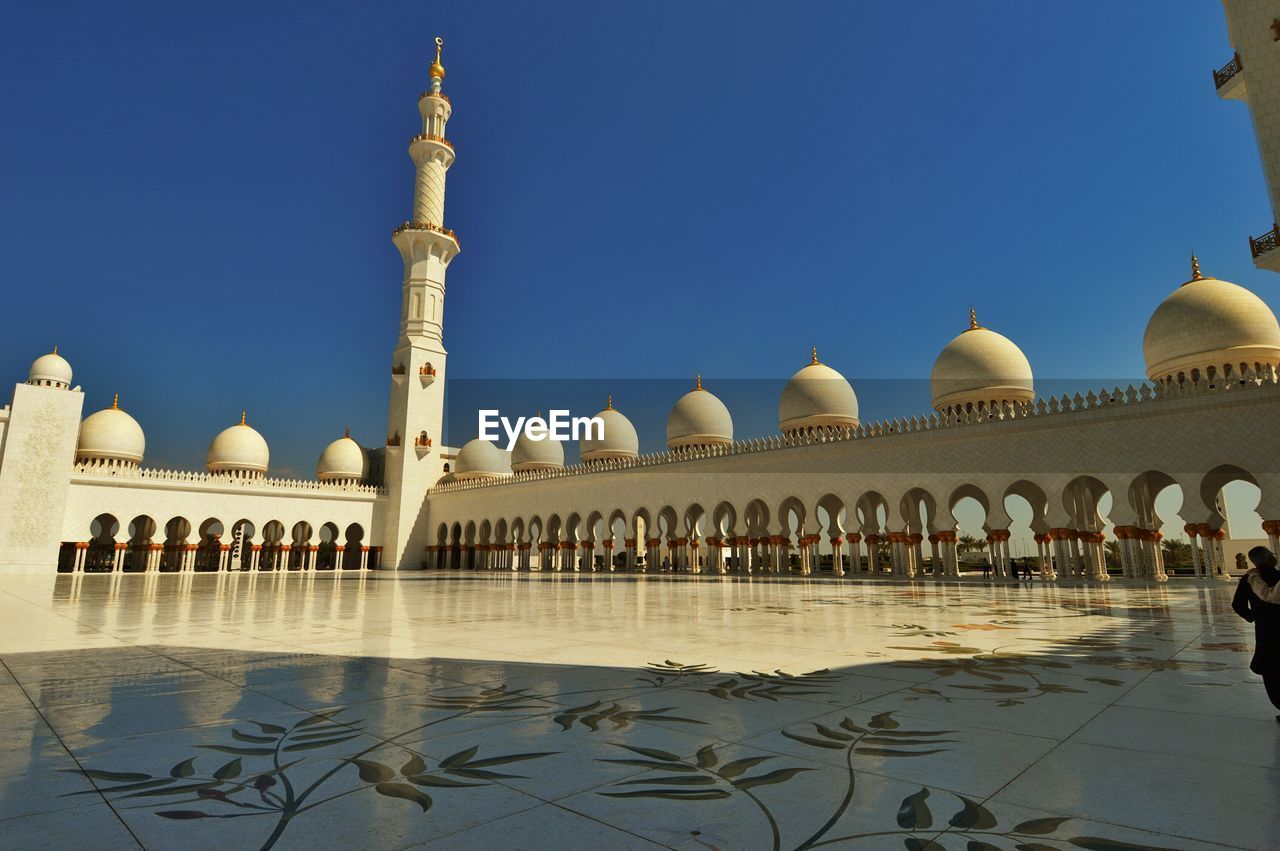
(1105, 402)
(146, 475)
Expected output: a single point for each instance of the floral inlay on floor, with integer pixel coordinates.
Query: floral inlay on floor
(535, 713)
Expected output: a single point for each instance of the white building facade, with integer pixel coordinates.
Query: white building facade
(829, 493)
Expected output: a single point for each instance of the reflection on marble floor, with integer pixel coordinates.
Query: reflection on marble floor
(527, 711)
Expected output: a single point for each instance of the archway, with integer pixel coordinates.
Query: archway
(138, 555)
(352, 553)
(101, 554)
(242, 532)
(271, 553)
(327, 549)
(209, 550)
(1081, 549)
(300, 546)
(829, 514)
(176, 532)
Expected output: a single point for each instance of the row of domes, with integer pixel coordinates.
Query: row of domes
(111, 437)
(1207, 327)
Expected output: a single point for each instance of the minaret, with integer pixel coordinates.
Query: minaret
(416, 414)
(1253, 76)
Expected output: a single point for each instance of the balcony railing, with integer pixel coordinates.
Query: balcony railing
(1268, 242)
(1224, 74)
(427, 137)
(424, 226)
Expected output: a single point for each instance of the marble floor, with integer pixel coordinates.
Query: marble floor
(581, 711)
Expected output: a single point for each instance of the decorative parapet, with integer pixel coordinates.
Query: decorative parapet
(1100, 400)
(1224, 74)
(193, 477)
(1268, 242)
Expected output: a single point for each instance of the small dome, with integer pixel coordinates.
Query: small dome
(479, 459)
(51, 370)
(699, 418)
(619, 441)
(980, 367)
(1209, 324)
(342, 460)
(110, 436)
(239, 449)
(529, 454)
(817, 397)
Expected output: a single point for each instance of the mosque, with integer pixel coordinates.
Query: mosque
(830, 493)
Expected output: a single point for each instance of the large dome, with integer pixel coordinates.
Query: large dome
(817, 397)
(978, 368)
(110, 437)
(51, 370)
(529, 454)
(699, 418)
(479, 459)
(1209, 324)
(619, 441)
(239, 449)
(342, 460)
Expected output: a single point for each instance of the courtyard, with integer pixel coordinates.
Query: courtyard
(588, 711)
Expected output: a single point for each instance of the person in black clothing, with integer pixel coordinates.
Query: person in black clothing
(1254, 602)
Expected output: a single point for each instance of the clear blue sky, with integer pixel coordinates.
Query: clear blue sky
(198, 200)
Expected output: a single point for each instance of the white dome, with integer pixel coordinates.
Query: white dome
(111, 435)
(817, 397)
(1209, 323)
(50, 369)
(980, 367)
(344, 459)
(620, 439)
(530, 454)
(699, 418)
(479, 459)
(239, 449)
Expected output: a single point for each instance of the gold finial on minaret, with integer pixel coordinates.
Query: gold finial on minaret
(608, 405)
(1195, 268)
(815, 361)
(973, 319)
(437, 70)
(698, 382)
(242, 416)
(55, 350)
(115, 403)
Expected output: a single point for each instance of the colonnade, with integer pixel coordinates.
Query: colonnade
(216, 556)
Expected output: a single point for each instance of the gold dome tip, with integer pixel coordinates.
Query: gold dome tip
(973, 319)
(815, 360)
(346, 432)
(242, 417)
(55, 350)
(608, 404)
(1195, 268)
(437, 69)
(698, 382)
(115, 403)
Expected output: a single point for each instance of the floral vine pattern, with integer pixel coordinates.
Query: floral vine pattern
(255, 772)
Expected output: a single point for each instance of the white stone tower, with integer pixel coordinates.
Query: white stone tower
(416, 413)
(1253, 76)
